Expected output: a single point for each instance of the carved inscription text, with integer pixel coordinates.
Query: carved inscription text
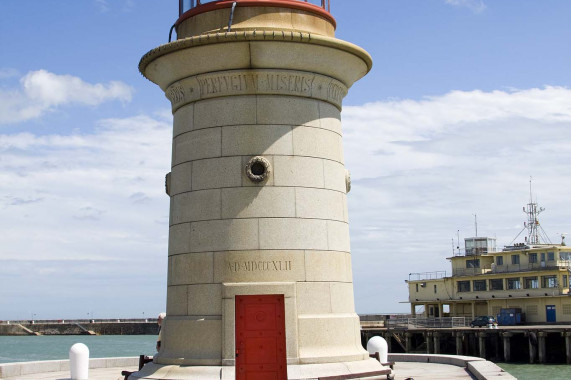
(259, 266)
(299, 84)
(176, 94)
(256, 82)
(227, 83)
(336, 92)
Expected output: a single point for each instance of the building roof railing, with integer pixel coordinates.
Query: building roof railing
(426, 276)
(511, 268)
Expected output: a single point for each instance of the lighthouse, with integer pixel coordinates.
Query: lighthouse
(259, 264)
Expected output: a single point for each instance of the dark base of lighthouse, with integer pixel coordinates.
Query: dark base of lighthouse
(295, 371)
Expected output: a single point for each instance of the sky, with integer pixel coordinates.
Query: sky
(467, 100)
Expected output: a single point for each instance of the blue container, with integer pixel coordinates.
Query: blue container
(510, 317)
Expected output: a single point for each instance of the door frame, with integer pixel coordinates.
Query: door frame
(549, 311)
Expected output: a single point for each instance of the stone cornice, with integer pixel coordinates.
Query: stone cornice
(247, 36)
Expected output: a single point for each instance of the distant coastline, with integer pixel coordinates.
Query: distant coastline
(80, 327)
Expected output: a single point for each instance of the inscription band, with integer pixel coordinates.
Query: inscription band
(256, 82)
(259, 266)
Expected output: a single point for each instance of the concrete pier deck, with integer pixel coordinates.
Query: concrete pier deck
(435, 371)
(94, 374)
(419, 367)
(418, 371)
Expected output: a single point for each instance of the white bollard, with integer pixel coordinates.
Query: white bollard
(379, 344)
(79, 362)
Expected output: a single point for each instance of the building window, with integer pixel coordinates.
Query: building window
(548, 281)
(515, 259)
(434, 288)
(475, 263)
(565, 256)
(550, 256)
(417, 288)
(500, 260)
(533, 257)
(497, 284)
(514, 283)
(565, 281)
(530, 283)
(463, 286)
(480, 285)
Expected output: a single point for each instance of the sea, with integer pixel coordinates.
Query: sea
(56, 347)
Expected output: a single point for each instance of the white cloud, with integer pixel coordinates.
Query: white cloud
(85, 211)
(394, 127)
(102, 5)
(476, 6)
(129, 5)
(6, 72)
(421, 169)
(105, 6)
(86, 196)
(42, 91)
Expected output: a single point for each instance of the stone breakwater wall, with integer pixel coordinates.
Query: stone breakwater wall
(75, 328)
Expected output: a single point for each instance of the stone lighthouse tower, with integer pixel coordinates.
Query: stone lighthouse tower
(259, 269)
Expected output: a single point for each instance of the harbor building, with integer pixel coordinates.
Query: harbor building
(532, 277)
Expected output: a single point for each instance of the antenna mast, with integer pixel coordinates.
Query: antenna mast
(533, 228)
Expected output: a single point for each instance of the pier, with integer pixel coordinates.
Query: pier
(534, 343)
(80, 327)
(110, 368)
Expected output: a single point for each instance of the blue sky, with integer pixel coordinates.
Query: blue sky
(467, 99)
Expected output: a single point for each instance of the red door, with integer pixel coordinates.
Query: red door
(260, 338)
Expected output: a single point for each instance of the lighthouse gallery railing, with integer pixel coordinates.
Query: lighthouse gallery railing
(185, 5)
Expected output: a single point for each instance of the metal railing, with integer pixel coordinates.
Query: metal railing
(185, 5)
(504, 269)
(432, 323)
(74, 321)
(426, 276)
